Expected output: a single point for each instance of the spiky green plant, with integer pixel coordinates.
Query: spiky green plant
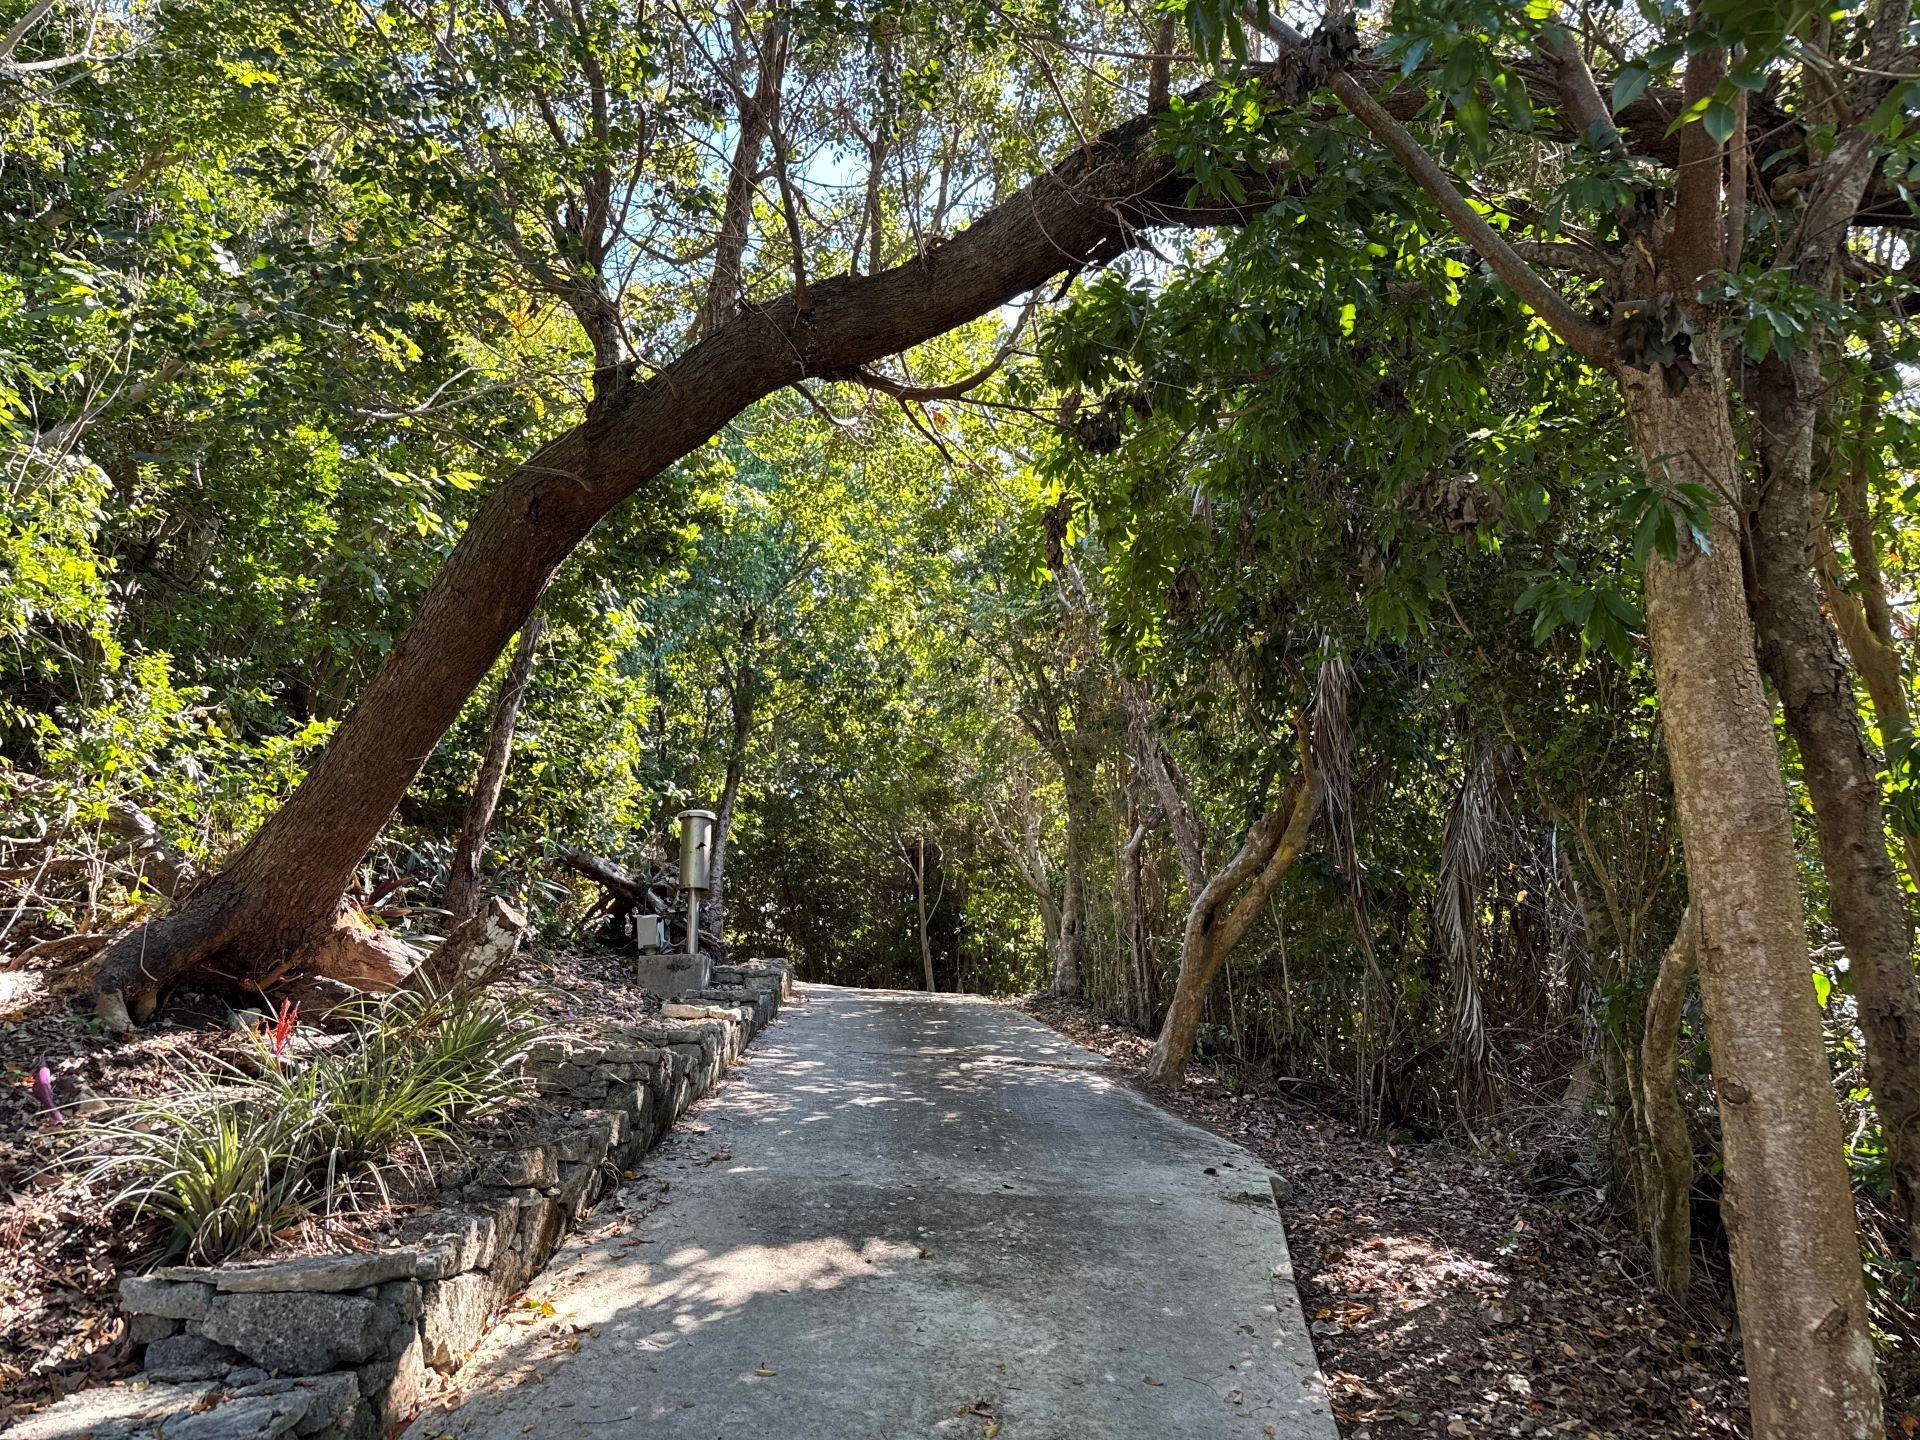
(416, 1065)
(220, 1163)
(233, 1153)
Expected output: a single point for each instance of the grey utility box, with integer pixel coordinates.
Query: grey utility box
(696, 850)
(650, 933)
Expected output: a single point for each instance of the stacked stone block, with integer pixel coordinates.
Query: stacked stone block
(343, 1347)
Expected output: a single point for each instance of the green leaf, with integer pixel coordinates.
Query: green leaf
(1628, 86)
(1719, 119)
(1645, 533)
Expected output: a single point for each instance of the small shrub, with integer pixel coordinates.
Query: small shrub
(236, 1153)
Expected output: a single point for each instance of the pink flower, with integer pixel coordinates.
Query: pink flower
(43, 1092)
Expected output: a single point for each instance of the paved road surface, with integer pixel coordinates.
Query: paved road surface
(910, 1216)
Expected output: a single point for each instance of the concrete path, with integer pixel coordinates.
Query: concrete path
(910, 1216)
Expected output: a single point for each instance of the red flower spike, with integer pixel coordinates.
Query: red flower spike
(283, 1024)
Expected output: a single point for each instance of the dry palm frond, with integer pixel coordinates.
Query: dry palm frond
(1333, 755)
(1332, 743)
(1465, 855)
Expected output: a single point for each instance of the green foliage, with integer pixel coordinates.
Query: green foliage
(232, 1153)
(415, 1065)
(221, 1165)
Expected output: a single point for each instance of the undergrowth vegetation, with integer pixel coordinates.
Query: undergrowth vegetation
(233, 1153)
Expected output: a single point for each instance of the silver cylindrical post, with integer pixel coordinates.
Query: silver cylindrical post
(696, 867)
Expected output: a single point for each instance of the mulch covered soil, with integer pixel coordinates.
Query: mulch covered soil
(1446, 1295)
(62, 1250)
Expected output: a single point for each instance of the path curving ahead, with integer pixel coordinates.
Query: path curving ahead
(910, 1216)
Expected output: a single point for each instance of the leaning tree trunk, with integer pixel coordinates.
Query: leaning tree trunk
(280, 892)
(277, 897)
(1802, 658)
(463, 879)
(1787, 1206)
(1217, 920)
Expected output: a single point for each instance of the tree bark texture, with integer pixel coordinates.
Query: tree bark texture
(1802, 658)
(1666, 1181)
(463, 878)
(1787, 1206)
(1217, 920)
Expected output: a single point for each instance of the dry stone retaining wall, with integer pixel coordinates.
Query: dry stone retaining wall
(342, 1347)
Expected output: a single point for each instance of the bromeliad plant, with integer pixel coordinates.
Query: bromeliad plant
(417, 1064)
(234, 1152)
(219, 1162)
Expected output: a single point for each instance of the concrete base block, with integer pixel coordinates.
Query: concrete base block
(674, 974)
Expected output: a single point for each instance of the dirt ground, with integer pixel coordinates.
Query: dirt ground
(1446, 1296)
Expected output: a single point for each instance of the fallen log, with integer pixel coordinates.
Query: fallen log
(360, 954)
(627, 893)
(629, 889)
(471, 957)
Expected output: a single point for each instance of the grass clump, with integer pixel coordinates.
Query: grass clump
(237, 1151)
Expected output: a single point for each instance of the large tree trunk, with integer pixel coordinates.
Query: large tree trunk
(1217, 920)
(463, 879)
(1788, 1210)
(1802, 658)
(280, 891)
